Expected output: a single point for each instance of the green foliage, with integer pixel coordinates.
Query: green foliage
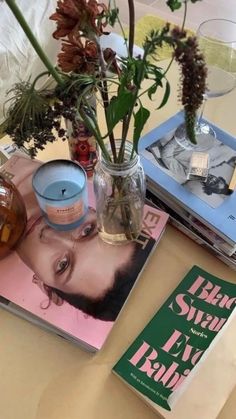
(176, 4)
(140, 119)
(165, 96)
(34, 115)
(155, 40)
(112, 16)
(118, 108)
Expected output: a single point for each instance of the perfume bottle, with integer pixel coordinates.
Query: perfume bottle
(13, 216)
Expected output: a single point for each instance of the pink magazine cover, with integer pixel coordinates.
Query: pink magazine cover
(86, 306)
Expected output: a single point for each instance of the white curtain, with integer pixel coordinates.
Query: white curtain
(18, 60)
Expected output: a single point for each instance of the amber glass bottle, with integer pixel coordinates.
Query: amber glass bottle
(13, 216)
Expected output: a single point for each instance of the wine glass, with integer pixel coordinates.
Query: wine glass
(217, 41)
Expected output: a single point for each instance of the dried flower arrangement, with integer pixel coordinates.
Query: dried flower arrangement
(84, 68)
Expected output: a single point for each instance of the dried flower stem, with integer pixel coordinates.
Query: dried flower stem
(44, 73)
(131, 26)
(104, 94)
(182, 29)
(194, 73)
(105, 98)
(123, 33)
(127, 118)
(185, 14)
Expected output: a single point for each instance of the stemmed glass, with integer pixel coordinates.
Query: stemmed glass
(217, 41)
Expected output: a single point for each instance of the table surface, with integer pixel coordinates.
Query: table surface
(46, 377)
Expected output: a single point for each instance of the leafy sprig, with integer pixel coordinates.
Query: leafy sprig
(177, 4)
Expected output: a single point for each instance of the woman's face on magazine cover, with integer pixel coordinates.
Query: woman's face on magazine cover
(75, 262)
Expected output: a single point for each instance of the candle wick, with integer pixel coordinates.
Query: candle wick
(63, 191)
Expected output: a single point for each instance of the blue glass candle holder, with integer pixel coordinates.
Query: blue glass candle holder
(61, 190)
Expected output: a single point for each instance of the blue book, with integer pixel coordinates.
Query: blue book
(166, 165)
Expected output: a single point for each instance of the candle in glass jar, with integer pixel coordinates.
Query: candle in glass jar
(61, 190)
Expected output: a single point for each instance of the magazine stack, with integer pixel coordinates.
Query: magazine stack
(205, 210)
(50, 277)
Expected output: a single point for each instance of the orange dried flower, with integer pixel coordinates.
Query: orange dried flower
(79, 17)
(78, 58)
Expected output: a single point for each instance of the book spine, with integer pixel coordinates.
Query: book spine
(229, 261)
(223, 243)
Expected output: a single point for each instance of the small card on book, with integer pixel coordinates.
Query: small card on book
(199, 166)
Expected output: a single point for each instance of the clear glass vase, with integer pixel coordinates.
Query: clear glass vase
(120, 195)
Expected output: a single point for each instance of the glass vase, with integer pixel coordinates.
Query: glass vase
(120, 195)
(82, 144)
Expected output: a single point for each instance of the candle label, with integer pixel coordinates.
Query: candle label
(65, 215)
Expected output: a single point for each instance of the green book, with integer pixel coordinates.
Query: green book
(166, 354)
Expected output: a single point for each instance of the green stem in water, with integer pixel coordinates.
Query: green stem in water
(127, 119)
(21, 20)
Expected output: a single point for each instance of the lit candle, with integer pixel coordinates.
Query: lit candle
(61, 190)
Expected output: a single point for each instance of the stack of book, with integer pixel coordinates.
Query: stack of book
(205, 210)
